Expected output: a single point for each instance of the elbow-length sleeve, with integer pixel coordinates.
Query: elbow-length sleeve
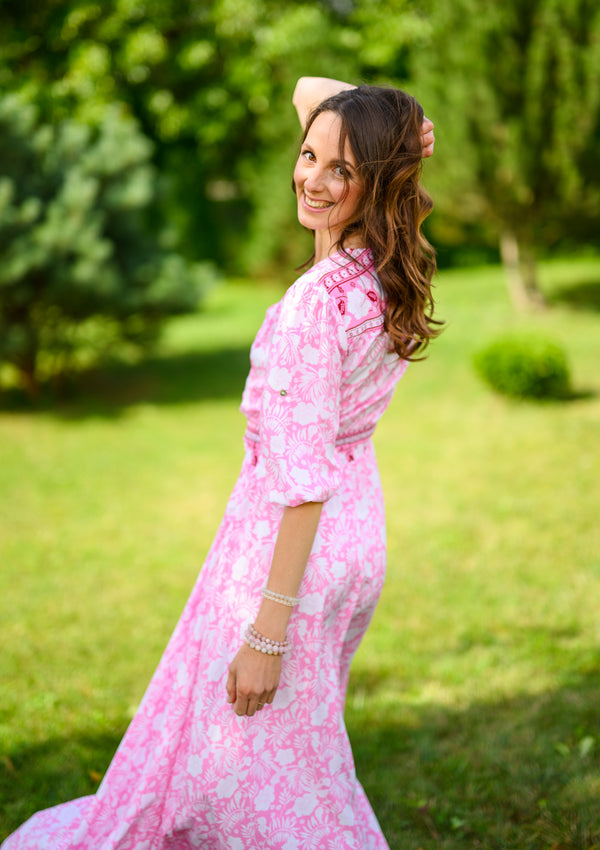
(300, 406)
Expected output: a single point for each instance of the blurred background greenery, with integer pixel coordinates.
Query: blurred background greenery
(147, 144)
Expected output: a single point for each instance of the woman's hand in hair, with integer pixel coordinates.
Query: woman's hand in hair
(311, 91)
(427, 137)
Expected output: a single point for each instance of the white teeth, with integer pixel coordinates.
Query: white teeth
(318, 205)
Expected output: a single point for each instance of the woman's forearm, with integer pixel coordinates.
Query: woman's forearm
(311, 91)
(292, 549)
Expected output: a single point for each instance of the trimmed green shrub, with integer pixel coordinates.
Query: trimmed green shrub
(524, 367)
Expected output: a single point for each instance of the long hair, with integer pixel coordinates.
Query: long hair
(383, 128)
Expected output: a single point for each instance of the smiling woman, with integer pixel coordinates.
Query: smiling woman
(328, 189)
(381, 136)
(240, 739)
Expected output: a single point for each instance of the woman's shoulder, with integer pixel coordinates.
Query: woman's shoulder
(339, 268)
(348, 282)
(341, 275)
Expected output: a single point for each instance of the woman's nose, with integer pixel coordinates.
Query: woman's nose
(314, 181)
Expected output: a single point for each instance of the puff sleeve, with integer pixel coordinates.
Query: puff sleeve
(300, 406)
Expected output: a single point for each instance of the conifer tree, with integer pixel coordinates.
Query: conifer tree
(77, 266)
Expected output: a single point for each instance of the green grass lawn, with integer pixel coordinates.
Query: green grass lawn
(474, 705)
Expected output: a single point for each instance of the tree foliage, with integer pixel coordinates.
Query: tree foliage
(78, 268)
(210, 84)
(515, 91)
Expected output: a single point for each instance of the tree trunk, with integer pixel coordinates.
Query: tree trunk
(529, 272)
(26, 364)
(520, 268)
(29, 382)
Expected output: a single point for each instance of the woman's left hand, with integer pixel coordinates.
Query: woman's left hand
(427, 138)
(253, 680)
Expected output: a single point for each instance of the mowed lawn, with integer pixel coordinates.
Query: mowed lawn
(474, 705)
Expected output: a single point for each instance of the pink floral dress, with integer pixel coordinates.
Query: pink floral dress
(189, 772)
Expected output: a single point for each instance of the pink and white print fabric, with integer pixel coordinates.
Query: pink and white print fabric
(321, 377)
(189, 773)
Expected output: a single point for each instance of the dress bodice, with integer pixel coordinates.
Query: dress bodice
(322, 374)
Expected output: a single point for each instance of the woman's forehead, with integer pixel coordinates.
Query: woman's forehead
(325, 132)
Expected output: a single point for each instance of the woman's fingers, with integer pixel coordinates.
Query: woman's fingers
(230, 687)
(249, 705)
(244, 706)
(427, 137)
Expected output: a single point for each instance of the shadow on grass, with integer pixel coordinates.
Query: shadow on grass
(570, 395)
(523, 773)
(519, 774)
(578, 296)
(157, 380)
(49, 773)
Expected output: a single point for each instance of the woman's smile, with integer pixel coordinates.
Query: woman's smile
(315, 204)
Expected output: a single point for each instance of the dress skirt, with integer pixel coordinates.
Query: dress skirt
(189, 772)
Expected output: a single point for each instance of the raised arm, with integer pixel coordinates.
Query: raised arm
(311, 91)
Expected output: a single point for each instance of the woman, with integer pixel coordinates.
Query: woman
(240, 742)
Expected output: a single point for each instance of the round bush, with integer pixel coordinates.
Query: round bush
(524, 367)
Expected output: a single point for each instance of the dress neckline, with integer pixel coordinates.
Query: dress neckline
(355, 253)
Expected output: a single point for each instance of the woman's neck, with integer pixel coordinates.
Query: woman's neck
(326, 244)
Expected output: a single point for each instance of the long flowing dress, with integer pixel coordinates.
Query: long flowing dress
(189, 772)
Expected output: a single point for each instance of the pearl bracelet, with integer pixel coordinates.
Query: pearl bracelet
(263, 644)
(290, 601)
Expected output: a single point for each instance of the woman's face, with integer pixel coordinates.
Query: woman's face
(319, 178)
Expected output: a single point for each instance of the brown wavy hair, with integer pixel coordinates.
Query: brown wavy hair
(383, 128)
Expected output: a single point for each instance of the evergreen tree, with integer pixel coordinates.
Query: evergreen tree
(77, 266)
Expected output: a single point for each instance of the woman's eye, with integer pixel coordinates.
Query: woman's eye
(340, 171)
(309, 155)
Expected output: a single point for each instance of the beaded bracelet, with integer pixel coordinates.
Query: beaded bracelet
(255, 640)
(290, 601)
